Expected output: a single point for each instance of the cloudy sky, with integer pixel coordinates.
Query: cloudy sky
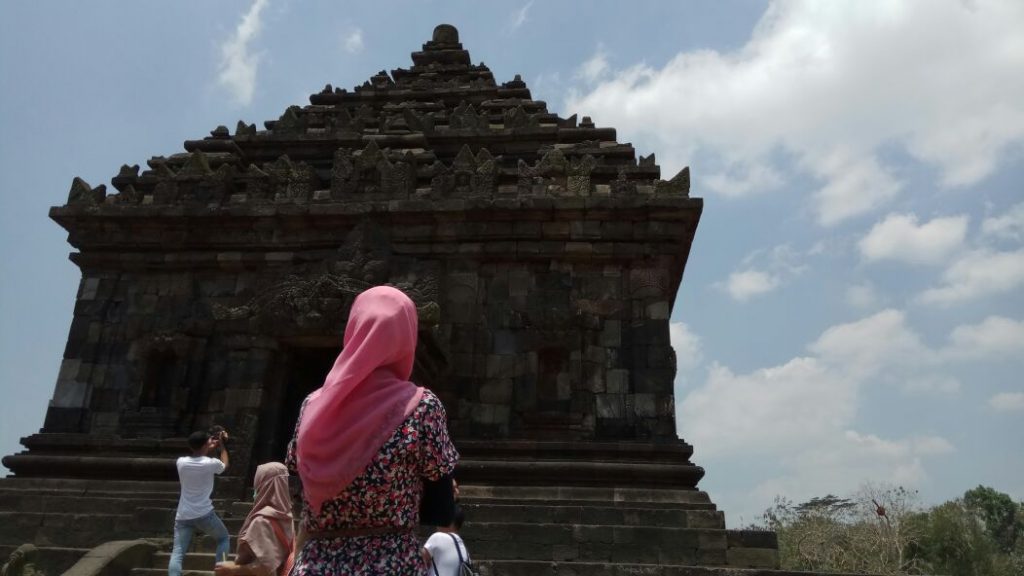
(853, 308)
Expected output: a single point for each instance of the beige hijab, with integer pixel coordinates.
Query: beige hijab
(273, 503)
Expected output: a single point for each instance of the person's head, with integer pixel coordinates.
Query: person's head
(384, 321)
(457, 519)
(197, 442)
(270, 500)
(271, 484)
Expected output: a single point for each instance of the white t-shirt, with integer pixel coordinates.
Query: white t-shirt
(196, 476)
(442, 550)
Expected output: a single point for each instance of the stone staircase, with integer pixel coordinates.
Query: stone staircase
(510, 530)
(541, 531)
(65, 518)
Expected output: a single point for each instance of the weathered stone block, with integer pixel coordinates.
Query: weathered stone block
(596, 354)
(658, 310)
(555, 229)
(242, 398)
(610, 406)
(70, 394)
(752, 558)
(89, 287)
(645, 405)
(496, 391)
(594, 379)
(527, 229)
(611, 334)
(585, 230)
(617, 381)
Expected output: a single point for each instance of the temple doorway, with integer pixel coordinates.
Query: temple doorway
(305, 371)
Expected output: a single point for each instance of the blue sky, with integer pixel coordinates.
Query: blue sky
(853, 307)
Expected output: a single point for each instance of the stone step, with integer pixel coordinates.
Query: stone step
(574, 494)
(162, 571)
(532, 568)
(66, 530)
(192, 561)
(584, 543)
(206, 545)
(50, 492)
(525, 567)
(164, 518)
(202, 563)
(90, 485)
(590, 503)
(592, 514)
(578, 512)
(73, 504)
(89, 529)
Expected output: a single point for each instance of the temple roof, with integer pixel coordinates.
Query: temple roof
(441, 128)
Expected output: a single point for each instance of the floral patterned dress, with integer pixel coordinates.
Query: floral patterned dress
(387, 493)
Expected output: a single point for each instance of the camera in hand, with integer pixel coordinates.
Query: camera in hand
(219, 433)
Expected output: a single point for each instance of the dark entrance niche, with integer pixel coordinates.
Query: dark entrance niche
(304, 363)
(304, 371)
(158, 380)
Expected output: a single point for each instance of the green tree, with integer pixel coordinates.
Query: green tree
(867, 532)
(1003, 518)
(954, 542)
(883, 530)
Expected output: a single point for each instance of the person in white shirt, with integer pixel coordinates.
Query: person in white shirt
(195, 509)
(444, 551)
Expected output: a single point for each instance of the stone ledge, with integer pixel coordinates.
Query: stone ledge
(540, 568)
(116, 558)
(577, 473)
(603, 206)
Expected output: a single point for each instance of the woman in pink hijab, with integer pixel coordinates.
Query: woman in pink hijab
(266, 540)
(364, 443)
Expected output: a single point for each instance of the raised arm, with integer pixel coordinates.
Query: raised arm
(219, 441)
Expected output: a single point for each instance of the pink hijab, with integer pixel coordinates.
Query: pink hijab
(274, 502)
(366, 395)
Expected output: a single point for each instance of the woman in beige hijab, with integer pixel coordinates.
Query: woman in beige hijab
(265, 542)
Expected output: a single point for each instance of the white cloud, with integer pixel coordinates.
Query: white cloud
(593, 69)
(687, 346)
(866, 347)
(842, 462)
(1007, 402)
(994, 336)
(931, 384)
(977, 274)
(853, 185)
(238, 64)
(773, 409)
(800, 415)
(855, 457)
(740, 180)
(834, 87)
(807, 397)
(354, 41)
(743, 286)
(519, 17)
(1007, 226)
(863, 295)
(765, 270)
(899, 237)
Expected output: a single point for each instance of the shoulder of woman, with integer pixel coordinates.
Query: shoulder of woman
(259, 523)
(430, 402)
(429, 397)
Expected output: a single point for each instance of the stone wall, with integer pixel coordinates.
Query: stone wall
(546, 319)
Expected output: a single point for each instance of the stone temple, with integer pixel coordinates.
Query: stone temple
(544, 257)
